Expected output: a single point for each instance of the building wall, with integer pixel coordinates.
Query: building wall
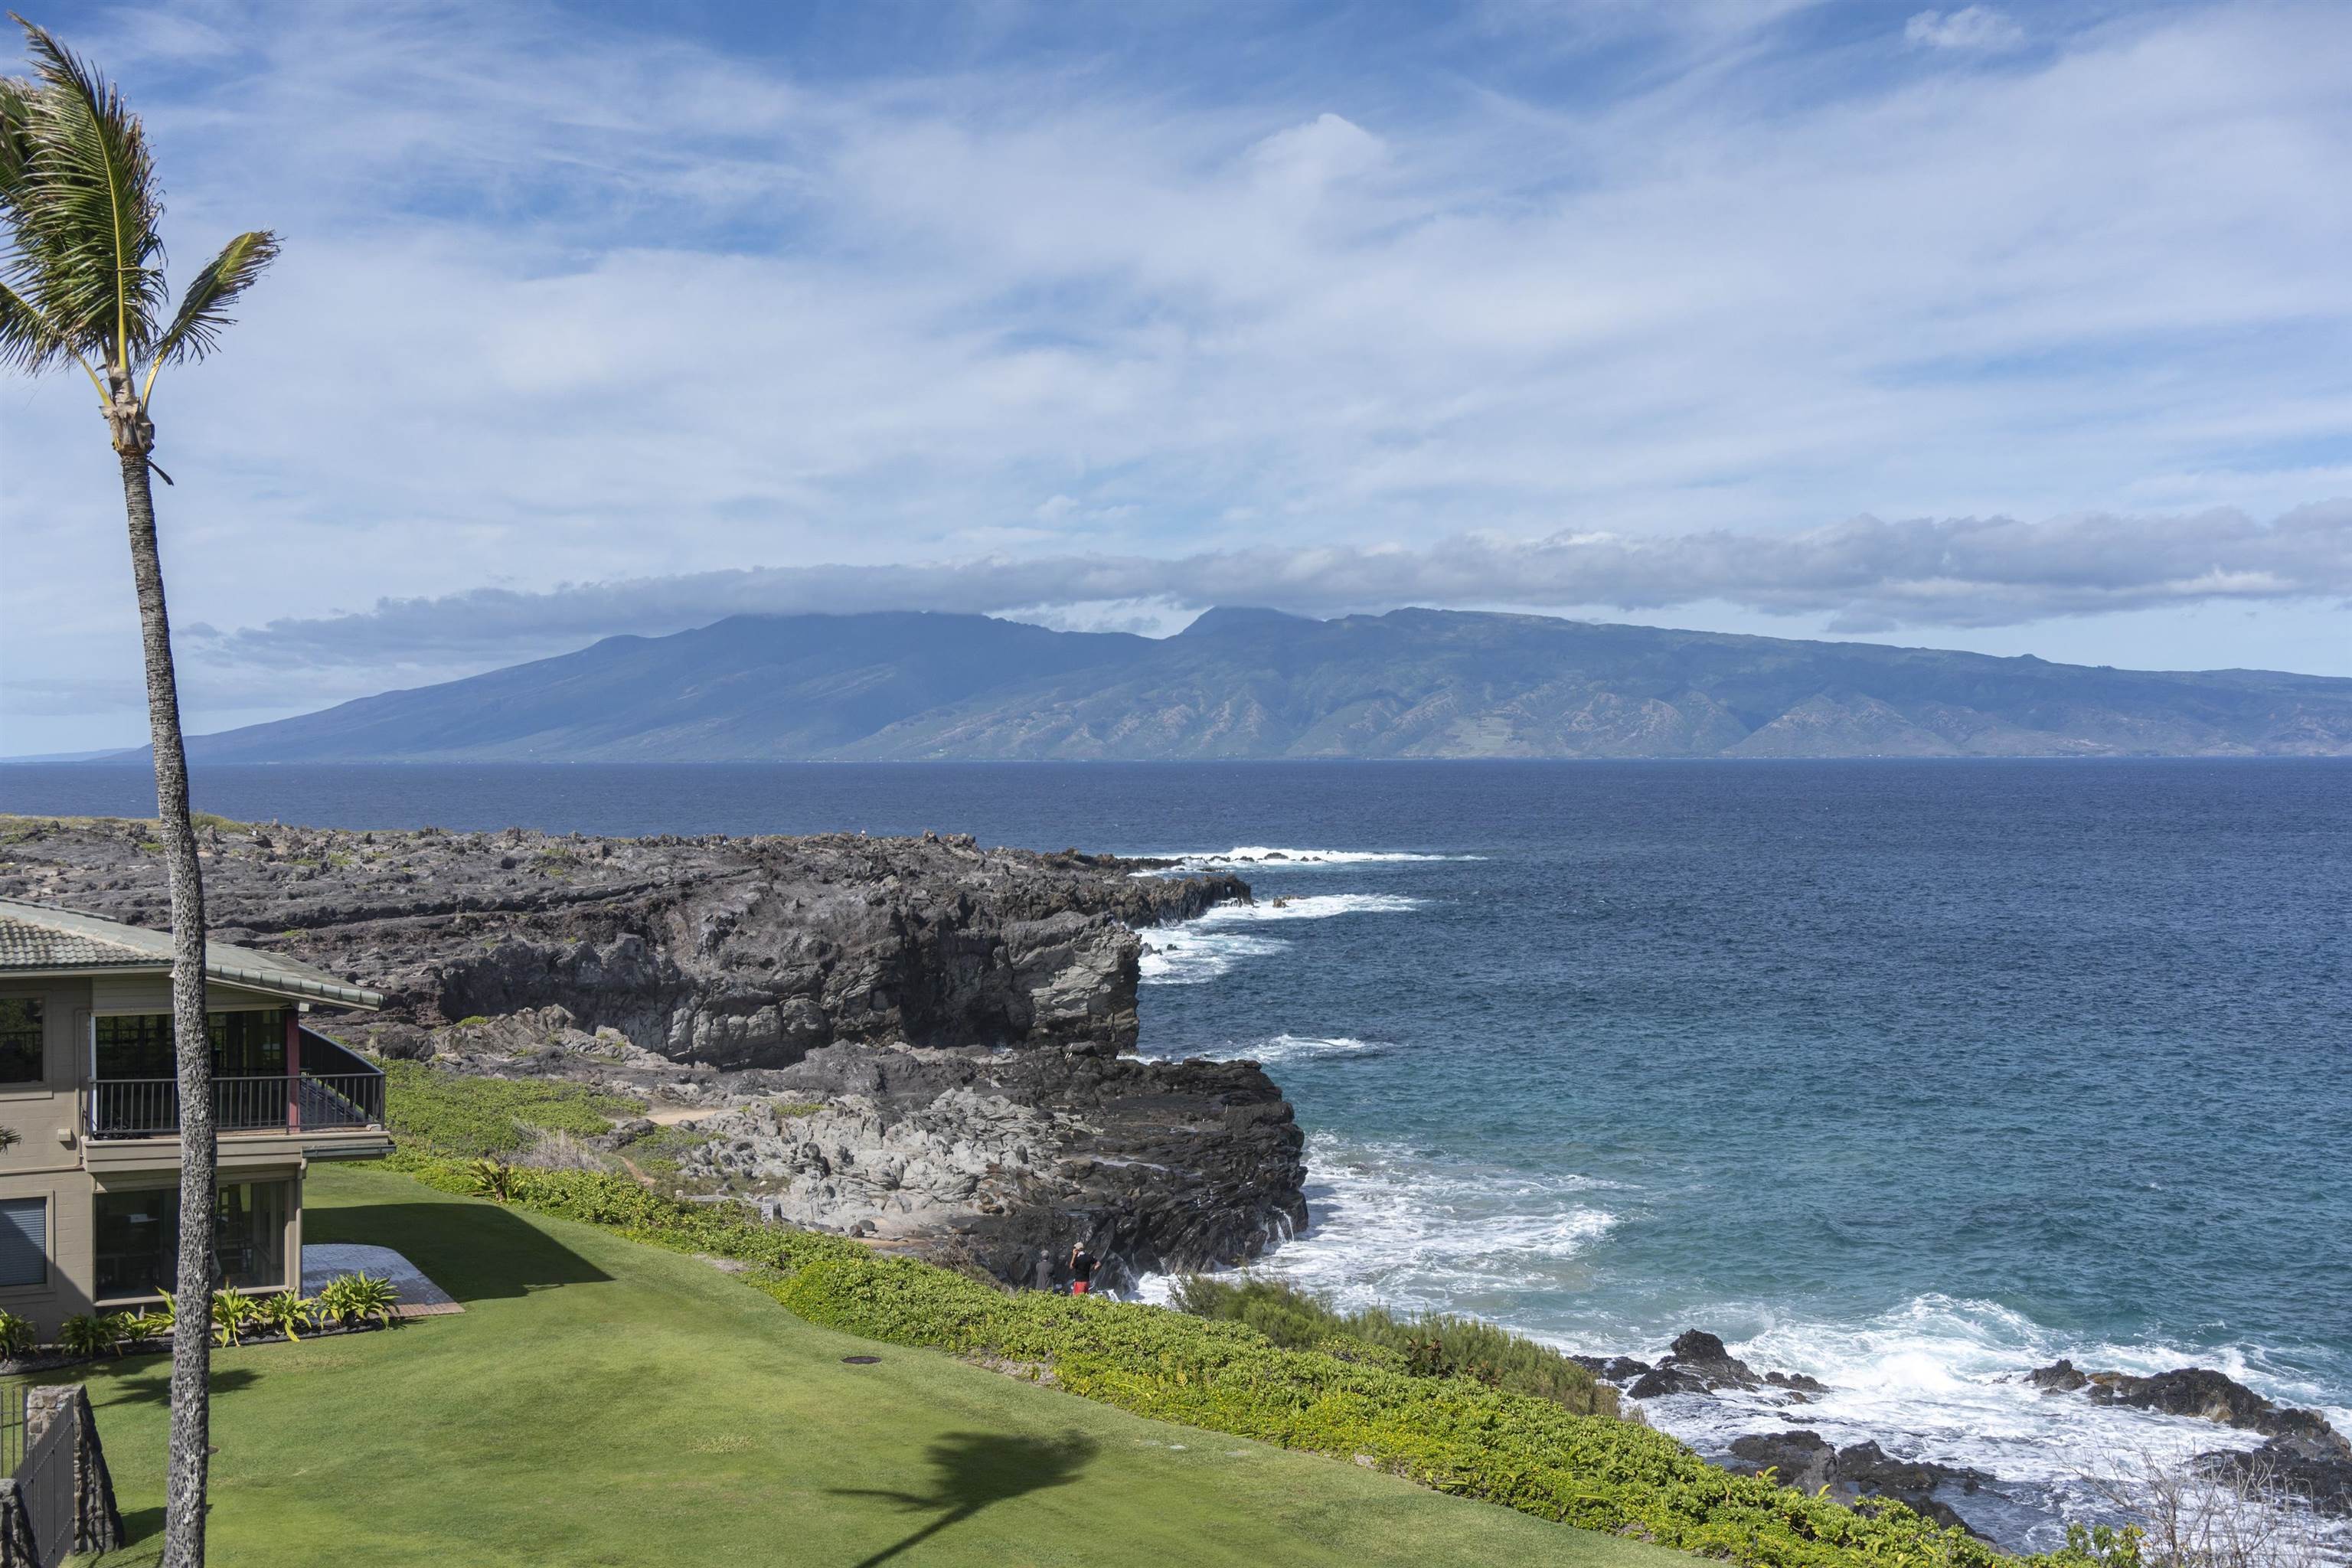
(49, 1159)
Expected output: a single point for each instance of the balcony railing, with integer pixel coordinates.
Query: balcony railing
(315, 1102)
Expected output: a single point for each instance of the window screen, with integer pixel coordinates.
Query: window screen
(24, 1241)
(20, 1039)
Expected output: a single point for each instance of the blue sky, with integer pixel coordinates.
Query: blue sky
(2017, 328)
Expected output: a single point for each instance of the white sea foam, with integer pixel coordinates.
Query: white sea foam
(1266, 854)
(1389, 1227)
(1187, 955)
(1940, 1378)
(1291, 1048)
(1206, 947)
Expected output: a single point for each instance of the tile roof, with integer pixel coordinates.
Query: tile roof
(36, 937)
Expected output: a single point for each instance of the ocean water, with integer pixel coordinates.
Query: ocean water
(1911, 1076)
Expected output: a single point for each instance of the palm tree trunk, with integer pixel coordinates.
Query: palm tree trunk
(192, 1344)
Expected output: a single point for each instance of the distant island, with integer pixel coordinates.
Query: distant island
(1258, 684)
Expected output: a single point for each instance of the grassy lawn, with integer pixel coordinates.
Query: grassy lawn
(601, 1401)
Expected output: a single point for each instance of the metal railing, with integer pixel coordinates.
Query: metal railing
(316, 1103)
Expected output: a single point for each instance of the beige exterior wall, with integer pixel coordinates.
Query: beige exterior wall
(50, 1158)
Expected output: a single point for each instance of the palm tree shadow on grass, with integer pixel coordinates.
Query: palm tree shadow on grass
(977, 1469)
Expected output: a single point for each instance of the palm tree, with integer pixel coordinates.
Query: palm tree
(81, 283)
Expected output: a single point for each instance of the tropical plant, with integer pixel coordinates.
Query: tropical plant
(493, 1178)
(125, 1329)
(233, 1313)
(161, 1323)
(81, 286)
(16, 1334)
(353, 1298)
(86, 1335)
(286, 1312)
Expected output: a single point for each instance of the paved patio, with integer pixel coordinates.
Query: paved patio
(419, 1297)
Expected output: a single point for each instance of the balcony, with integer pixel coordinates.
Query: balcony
(345, 1095)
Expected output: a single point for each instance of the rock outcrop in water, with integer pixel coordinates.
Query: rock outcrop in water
(954, 1015)
(1696, 1362)
(1807, 1461)
(2306, 1456)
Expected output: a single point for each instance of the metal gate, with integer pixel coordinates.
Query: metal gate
(45, 1477)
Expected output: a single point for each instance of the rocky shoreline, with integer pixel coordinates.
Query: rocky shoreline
(920, 1043)
(2303, 1460)
(915, 1040)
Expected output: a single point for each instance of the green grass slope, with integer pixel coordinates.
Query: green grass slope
(602, 1402)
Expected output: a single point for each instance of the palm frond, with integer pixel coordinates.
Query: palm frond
(28, 342)
(86, 206)
(16, 138)
(196, 331)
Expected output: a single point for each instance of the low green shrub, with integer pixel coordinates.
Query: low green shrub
(351, 1299)
(1427, 1346)
(450, 1113)
(1455, 1434)
(287, 1311)
(233, 1315)
(86, 1334)
(492, 1177)
(17, 1334)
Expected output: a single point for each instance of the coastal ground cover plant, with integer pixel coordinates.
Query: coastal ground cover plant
(476, 1118)
(1432, 1346)
(1454, 1434)
(81, 288)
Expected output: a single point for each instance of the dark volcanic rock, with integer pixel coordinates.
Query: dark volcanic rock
(1620, 1370)
(1807, 1461)
(734, 952)
(1799, 1459)
(1156, 1165)
(2209, 1395)
(2312, 1469)
(1698, 1362)
(942, 1023)
(2306, 1457)
(2058, 1377)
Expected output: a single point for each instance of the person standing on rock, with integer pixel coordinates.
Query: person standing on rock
(1044, 1277)
(1082, 1269)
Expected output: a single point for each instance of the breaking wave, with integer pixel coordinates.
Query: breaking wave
(1204, 948)
(1266, 854)
(1389, 1226)
(1294, 1048)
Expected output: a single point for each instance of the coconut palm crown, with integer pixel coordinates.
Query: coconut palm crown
(81, 280)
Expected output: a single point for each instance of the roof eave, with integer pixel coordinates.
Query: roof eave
(290, 986)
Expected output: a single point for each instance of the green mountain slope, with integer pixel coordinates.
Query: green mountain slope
(1257, 684)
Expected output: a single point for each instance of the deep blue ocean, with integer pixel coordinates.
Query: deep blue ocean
(1909, 1075)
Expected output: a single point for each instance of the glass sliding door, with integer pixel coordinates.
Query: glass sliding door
(138, 1239)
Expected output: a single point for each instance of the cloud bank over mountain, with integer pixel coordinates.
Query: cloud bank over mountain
(1864, 575)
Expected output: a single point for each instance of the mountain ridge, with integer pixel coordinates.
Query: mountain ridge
(1244, 683)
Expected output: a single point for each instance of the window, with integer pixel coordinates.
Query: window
(137, 1238)
(24, 1241)
(245, 1045)
(20, 1039)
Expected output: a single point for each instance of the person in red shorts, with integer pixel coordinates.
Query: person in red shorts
(1082, 1269)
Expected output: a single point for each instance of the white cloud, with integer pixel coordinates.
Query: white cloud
(1971, 27)
(562, 304)
(1864, 575)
